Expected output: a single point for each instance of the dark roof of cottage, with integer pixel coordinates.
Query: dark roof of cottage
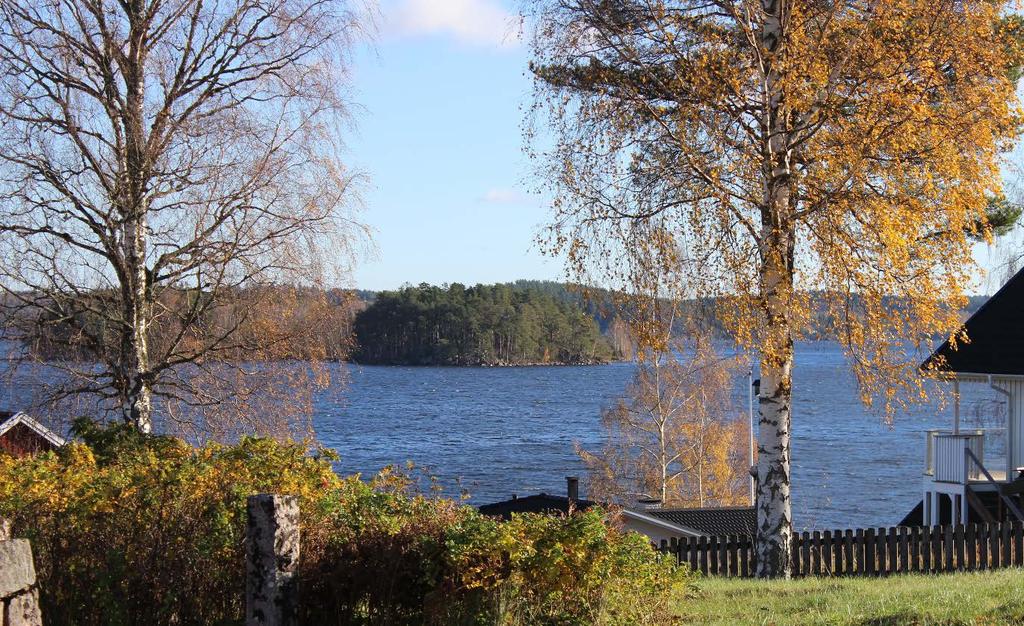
(996, 335)
(539, 503)
(730, 520)
(739, 520)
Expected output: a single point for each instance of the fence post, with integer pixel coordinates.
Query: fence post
(746, 541)
(19, 596)
(1018, 543)
(993, 551)
(272, 558)
(1004, 529)
(826, 556)
(947, 547)
(869, 551)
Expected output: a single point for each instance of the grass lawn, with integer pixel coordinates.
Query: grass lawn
(978, 598)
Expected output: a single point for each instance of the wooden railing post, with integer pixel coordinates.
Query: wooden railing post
(272, 559)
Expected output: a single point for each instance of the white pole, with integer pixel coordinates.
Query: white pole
(956, 406)
(750, 446)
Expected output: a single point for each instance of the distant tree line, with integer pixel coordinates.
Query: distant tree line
(266, 323)
(699, 313)
(505, 324)
(527, 321)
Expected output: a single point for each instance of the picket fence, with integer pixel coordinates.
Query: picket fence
(866, 552)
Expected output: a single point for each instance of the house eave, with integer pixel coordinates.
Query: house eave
(971, 376)
(650, 519)
(22, 418)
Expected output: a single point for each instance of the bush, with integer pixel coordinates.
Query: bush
(420, 561)
(148, 530)
(129, 529)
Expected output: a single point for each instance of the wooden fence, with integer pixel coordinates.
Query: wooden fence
(867, 552)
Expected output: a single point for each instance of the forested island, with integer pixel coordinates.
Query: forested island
(519, 323)
(504, 324)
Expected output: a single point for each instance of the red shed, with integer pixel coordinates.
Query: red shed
(20, 435)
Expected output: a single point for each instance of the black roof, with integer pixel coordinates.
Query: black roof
(739, 520)
(996, 334)
(730, 520)
(540, 503)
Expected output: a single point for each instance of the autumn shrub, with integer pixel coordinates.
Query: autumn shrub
(129, 529)
(577, 570)
(437, 563)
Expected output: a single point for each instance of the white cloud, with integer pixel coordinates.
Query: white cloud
(499, 195)
(476, 22)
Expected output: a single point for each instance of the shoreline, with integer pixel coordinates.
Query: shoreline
(491, 365)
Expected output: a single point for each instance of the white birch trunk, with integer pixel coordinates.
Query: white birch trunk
(140, 400)
(138, 406)
(774, 509)
(664, 464)
(662, 437)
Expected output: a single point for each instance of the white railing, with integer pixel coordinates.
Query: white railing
(946, 460)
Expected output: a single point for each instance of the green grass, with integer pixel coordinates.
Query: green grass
(978, 598)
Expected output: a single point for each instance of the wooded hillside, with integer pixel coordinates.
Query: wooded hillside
(527, 321)
(482, 325)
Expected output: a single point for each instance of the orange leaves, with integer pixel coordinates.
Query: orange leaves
(868, 138)
(675, 434)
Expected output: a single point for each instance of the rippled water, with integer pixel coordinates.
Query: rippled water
(492, 432)
(499, 431)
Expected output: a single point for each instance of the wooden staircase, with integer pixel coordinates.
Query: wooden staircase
(978, 510)
(983, 505)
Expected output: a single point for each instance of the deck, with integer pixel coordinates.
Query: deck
(956, 468)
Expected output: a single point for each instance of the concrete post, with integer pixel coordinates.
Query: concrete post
(19, 598)
(272, 560)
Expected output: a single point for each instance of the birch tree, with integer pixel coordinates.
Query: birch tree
(675, 435)
(169, 177)
(766, 148)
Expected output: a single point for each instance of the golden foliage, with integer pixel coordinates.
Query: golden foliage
(718, 148)
(149, 530)
(676, 435)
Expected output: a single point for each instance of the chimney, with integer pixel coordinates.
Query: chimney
(572, 487)
(648, 504)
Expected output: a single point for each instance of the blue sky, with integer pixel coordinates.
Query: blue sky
(440, 97)
(441, 93)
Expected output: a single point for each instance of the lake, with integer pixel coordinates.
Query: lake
(497, 431)
(494, 432)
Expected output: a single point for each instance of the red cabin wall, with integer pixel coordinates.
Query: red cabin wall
(23, 441)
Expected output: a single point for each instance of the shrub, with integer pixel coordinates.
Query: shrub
(148, 530)
(129, 529)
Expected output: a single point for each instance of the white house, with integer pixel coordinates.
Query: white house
(960, 483)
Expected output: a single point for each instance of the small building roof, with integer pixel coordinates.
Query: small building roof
(729, 520)
(9, 420)
(996, 337)
(539, 503)
(694, 522)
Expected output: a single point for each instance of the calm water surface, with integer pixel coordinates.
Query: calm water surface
(497, 431)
